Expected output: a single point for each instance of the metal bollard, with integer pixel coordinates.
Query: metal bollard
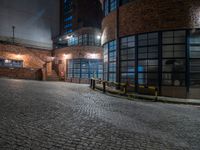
(91, 80)
(94, 84)
(156, 94)
(126, 88)
(104, 87)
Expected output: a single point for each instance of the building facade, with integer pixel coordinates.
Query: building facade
(153, 44)
(76, 14)
(78, 51)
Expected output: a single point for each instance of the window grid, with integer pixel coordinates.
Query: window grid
(194, 52)
(177, 69)
(11, 63)
(85, 68)
(173, 58)
(148, 59)
(85, 39)
(112, 61)
(127, 59)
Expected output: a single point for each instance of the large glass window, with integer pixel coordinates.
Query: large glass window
(195, 58)
(174, 55)
(112, 61)
(148, 59)
(105, 62)
(11, 63)
(68, 16)
(127, 58)
(85, 68)
(77, 68)
(73, 41)
(161, 59)
(173, 72)
(106, 7)
(91, 40)
(68, 19)
(113, 5)
(85, 39)
(109, 5)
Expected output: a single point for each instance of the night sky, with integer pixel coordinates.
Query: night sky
(35, 20)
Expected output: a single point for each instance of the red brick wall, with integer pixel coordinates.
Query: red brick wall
(33, 62)
(142, 16)
(78, 52)
(21, 73)
(73, 52)
(108, 27)
(32, 58)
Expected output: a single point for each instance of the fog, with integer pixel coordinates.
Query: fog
(35, 21)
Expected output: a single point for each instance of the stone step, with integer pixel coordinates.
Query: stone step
(53, 76)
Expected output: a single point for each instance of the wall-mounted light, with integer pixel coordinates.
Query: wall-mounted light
(98, 37)
(67, 56)
(19, 55)
(92, 56)
(68, 37)
(7, 61)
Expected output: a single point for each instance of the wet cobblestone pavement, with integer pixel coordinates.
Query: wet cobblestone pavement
(51, 115)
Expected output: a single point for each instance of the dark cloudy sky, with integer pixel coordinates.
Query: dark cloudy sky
(35, 20)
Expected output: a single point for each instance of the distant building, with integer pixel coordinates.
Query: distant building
(76, 14)
(78, 51)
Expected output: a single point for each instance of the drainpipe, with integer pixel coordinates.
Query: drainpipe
(118, 72)
(13, 38)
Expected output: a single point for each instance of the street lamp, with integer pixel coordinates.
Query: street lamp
(13, 38)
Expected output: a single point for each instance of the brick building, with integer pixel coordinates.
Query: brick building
(76, 14)
(153, 44)
(78, 51)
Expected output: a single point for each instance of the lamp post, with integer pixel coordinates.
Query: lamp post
(13, 38)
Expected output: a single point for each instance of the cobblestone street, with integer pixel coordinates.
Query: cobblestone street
(52, 115)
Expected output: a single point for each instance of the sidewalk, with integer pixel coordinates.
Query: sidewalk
(150, 97)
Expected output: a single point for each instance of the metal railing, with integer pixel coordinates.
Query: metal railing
(119, 88)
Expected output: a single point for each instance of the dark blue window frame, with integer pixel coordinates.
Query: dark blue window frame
(85, 68)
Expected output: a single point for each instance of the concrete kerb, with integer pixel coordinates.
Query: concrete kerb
(135, 97)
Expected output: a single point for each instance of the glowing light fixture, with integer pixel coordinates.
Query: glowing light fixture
(67, 56)
(19, 55)
(7, 61)
(92, 56)
(98, 37)
(68, 37)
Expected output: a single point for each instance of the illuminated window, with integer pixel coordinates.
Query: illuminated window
(85, 68)
(127, 59)
(174, 55)
(109, 5)
(194, 58)
(11, 63)
(68, 18)
(148, 59)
